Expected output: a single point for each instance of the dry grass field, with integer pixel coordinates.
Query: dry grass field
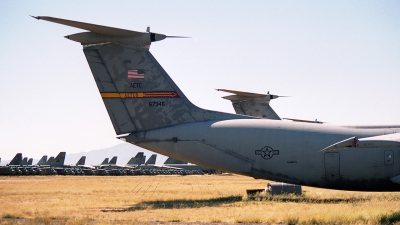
(182, 199)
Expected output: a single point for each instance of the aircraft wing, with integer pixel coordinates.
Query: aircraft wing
(381, 141)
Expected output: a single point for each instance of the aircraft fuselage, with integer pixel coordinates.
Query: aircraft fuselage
(279, 150)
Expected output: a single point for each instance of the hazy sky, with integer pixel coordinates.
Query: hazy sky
(339, 60)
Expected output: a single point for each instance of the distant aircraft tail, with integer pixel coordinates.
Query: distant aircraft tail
(138, 159)
(17, 160)
(50, 161)
(252, 104)
(42, 161)
(25, 161)
(174, 161)
(152, 160)
(113, 161)
(30, 161)
(59, 160)
(105, 161)
(81, 161)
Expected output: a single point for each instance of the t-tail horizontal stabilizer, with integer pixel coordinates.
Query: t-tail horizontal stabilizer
(252, 104)
(381, 141)
(102, 34)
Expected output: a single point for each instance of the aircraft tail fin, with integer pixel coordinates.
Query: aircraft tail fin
(105, 161)
(152, 160)
(30, 161)
(81, 161)
(252, 104)
(50, 161)
(42, 161)
(25, 161)
(138, 159)
(113, 161)
(174, 161)
(17, 160)
(58, 160)
(137, 92)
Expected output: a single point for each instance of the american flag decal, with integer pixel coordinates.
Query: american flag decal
(136, 74)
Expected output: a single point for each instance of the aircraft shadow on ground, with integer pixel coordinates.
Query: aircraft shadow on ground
(179, 204)
(302, 199)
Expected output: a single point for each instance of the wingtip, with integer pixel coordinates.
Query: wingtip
(177, 37)
(36, 17)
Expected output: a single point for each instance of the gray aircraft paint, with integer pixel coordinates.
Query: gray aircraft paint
(174, 161)
(252, 104)
(58, 161)
(105, 161)
(17, 160)
(25, 161)
(113, 160)
(81, 161)
(50, 161)
(137, 160)
(151, 160)
(157, 116)
(42, 161)
(30, 161)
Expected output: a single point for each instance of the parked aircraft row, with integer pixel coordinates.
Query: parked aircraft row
(136, 166)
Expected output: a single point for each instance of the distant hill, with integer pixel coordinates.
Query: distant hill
(124, 151)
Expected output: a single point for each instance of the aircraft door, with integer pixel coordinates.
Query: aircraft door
(332, 166)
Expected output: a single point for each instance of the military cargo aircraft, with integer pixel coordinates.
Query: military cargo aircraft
(148, 109)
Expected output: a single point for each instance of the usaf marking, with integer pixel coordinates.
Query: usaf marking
(267, 152)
